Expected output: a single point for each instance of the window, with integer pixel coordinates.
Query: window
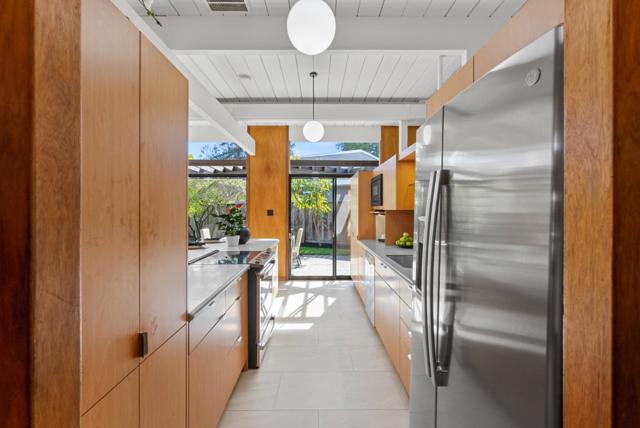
(209, 197)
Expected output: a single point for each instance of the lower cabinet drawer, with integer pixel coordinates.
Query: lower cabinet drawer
(205, 320)
(405, 313)
(232, 293)
(404, 363)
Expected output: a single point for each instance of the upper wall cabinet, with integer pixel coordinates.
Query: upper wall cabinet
(109, 198)
(398, 184)
(164, 106)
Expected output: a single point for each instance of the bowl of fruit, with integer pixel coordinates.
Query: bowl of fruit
(405, 241)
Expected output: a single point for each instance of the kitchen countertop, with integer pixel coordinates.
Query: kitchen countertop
(252, 245)
(206, 278)
(381, 251)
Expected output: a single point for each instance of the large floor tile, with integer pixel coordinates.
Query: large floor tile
(270, 419)
(343, 390)
(370, 358)
(256, 390)
(364, 419)
(307, 359)
(347, 336)
(294, 334)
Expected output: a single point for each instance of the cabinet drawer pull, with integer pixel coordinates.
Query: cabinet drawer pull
(238, 298)
(239, 339)
(212, 303)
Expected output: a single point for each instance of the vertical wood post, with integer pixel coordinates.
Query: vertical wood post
(602, 220)
(268, 189)
(40, 213)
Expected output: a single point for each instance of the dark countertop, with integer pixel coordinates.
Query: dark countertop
(206, 279)
(382, 251)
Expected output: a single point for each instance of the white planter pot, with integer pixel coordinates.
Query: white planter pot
(233, 241)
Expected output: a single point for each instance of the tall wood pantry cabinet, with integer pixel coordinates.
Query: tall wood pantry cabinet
(133, 227)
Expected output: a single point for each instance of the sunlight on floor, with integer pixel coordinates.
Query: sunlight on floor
(325, 367)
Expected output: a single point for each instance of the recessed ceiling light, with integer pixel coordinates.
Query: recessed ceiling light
(244, 76)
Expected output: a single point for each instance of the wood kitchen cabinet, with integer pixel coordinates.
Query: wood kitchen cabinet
(216, 362)
(109, 236)
(164, 106)
(133, 225)
(398, 184)
(206, 364)
(119, 408)
(393, 318)
(362, 225)
(387, 317)
(163, 385)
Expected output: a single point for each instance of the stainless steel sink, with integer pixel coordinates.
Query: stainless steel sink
(404, 260)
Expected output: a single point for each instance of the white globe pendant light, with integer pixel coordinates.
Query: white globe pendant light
(313, 130)
(311, 26)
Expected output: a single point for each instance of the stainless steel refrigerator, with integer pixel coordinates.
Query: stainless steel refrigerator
(487, 321)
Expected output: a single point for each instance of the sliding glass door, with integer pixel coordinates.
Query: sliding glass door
(319, 220)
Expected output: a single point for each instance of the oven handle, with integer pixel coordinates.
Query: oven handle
(265, 341)
(268, 268)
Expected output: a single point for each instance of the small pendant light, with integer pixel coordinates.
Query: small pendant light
(313, 130)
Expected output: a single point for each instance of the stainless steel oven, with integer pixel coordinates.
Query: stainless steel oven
(263, 290)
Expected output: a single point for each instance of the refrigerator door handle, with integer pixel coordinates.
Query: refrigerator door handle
(425, 287)
(431, 249)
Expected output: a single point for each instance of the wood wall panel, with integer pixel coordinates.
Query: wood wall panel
(164, 110)
(163, 385)
(118, 409)
(389, 142)
(39, 219)
(268, 188)
(602, 231)
(109, 198)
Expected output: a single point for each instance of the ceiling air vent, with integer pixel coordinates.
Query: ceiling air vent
(227, 6)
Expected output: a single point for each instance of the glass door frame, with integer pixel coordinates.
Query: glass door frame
(334, 239)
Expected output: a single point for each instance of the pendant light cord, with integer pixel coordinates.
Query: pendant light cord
(313, 75)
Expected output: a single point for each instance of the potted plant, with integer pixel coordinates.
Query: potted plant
(231, 223)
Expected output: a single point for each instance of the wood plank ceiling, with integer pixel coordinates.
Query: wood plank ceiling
(351, 8)
(342, 76)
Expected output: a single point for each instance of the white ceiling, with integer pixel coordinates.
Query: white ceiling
(360, 8)
(388, 56)
(378, 77)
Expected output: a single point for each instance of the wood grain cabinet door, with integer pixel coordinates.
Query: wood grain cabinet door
(163, 195)
(109, 199)
(206, 401)
(118, 409)
(163, 385)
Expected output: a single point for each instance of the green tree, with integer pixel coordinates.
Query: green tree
(222, 151)
(373, 148)
(311, 195)
(208, 198)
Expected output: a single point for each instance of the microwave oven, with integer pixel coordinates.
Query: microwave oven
(376, 191)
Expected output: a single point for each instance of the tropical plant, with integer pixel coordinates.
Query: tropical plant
(232, 221)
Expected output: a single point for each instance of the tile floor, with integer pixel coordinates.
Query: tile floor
(325, 368)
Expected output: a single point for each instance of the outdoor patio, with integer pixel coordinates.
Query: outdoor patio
(320, 265)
